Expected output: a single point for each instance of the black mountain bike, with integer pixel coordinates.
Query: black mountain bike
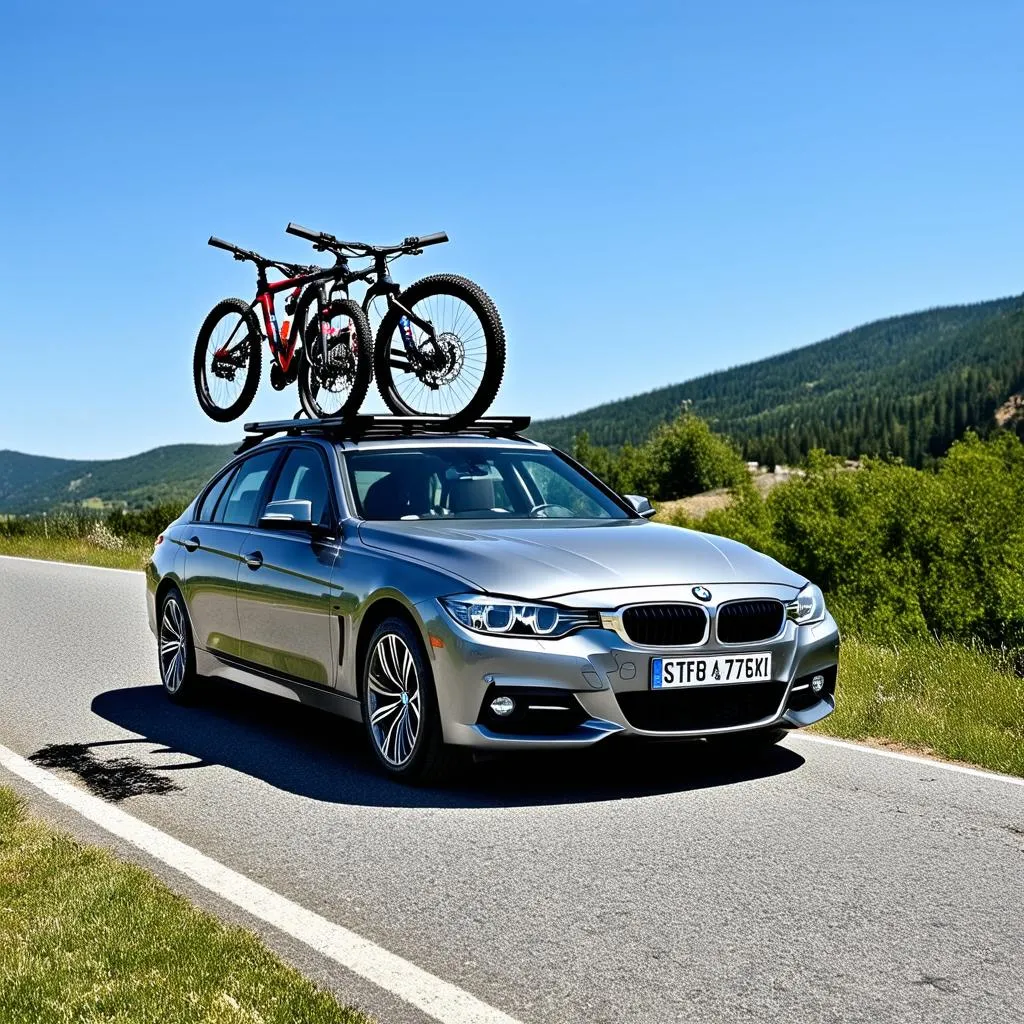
(228, 356)
(440, 347)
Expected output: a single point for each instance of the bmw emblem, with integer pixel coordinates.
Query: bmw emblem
(702, 593)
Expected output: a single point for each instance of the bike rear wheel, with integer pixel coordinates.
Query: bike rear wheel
(459, 377)
(334, 367)
(227, 360)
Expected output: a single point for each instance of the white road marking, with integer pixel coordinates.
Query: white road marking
(930, 762)
(436, 998)
(74, 565)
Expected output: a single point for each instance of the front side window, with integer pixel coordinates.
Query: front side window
(213, 495)
(303, 478)
(243, 499)
(474, 483)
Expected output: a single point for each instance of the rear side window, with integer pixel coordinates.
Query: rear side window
(302, 478)
(243, 499)
(209, 505)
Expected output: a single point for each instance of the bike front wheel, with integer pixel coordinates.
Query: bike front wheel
(336, 358)
(227, 360)
(457, 374)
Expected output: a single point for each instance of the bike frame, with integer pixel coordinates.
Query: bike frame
(380, 283)
(385, 285)
(283, 349)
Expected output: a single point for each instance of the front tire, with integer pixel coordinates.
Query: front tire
(227, 360)
(400, 708)
(467, 372)
(335, 383)
(176, 651)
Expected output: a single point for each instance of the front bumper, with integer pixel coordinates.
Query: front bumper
(597, 667)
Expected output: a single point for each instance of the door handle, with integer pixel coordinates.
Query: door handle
(254, 560)
(191, 544)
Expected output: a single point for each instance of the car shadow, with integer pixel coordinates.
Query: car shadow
(320, 756)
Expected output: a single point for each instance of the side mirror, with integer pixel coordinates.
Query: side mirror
(288, 515)
(641, 504)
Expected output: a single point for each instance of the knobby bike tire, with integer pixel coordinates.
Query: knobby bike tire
(308, 373)
(494, 335)
(253, 366)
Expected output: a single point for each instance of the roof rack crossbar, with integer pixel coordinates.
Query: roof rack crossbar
(367, 427)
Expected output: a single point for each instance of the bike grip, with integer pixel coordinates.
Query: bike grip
(219, 243)
(298, 229)
(434, 239)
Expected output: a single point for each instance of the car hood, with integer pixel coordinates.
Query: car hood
(547, 558)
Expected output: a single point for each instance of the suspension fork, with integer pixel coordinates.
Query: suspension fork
(406, 318)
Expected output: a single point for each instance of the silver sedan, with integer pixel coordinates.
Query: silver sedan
(478, 591)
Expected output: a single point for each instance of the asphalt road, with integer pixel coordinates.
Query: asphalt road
(650, 884)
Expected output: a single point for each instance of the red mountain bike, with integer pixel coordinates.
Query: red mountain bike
(228, 356)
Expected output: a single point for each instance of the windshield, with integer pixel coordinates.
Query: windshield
(474, 483)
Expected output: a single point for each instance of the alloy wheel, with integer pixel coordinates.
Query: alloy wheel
(173, 646)
(394, 700)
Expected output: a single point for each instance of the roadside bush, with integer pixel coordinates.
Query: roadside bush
(680, 458)
(900, 551)
(103, 537)
(145, 523)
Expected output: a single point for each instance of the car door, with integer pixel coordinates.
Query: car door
(213, 545)
(284, 587)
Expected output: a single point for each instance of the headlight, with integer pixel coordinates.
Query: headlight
(504, 616)
(808, 607)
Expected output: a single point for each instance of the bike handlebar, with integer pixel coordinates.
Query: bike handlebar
(424, 240)
(325, 241)
(298, 229)
(288, 269)
(219, 243)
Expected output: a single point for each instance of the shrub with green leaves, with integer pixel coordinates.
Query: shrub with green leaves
(900, 551)
(680, 458)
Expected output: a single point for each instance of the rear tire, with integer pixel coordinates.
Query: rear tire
(464, 387)
(328, 391)
(400, 710)
(176, 653)
(233, 323)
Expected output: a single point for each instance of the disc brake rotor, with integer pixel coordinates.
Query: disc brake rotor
(340, 365)
(452, 354)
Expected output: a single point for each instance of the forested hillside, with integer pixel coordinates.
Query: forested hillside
(33, 483)
(908, 386)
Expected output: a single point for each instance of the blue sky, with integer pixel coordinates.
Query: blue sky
(649, 191)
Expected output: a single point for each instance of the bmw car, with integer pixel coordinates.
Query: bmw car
(477, 590)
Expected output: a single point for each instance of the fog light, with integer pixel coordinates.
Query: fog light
(817, 684)
(503, 706)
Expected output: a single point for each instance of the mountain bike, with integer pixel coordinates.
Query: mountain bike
(440, 346)
(227, 362)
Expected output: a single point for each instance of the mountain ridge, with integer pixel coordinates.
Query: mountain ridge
(174, 472)
(862, 391)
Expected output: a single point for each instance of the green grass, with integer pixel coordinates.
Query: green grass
(68, 549)
(85, 937)
(958, 702)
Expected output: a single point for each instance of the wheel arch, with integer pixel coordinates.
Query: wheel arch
(167, 584)
(383, 606)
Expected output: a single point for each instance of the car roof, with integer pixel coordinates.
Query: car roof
(441, 441)
(394, 432)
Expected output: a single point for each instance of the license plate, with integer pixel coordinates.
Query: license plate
(671, 673)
